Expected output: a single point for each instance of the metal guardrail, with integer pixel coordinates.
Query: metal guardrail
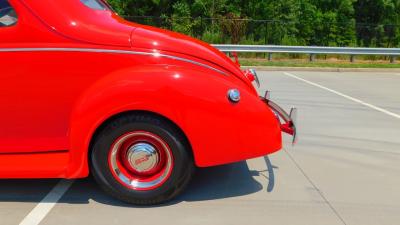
(312, 50)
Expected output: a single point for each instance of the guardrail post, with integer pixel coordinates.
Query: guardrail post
(352, 58)
(312, 57)
(269, 56)
(392, 59)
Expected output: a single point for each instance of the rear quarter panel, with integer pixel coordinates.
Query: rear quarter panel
(194, 98)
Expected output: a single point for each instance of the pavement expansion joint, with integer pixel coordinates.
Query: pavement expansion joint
(315, 187)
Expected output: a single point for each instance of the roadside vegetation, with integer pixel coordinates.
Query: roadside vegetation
(344, 23)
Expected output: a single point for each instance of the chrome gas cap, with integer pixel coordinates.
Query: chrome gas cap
(234, 95)
(142, 157)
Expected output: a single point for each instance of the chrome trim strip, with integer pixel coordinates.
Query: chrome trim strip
(95, 50)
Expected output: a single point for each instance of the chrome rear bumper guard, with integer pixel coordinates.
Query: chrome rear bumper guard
(289, 119)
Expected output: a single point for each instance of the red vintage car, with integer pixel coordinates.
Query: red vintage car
(82, 90)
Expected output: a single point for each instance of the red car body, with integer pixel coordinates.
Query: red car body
(65, 69)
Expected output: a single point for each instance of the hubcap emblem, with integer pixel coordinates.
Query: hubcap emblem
(142, 157)
(141, 160)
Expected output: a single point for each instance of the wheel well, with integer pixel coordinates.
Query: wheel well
(137, 112)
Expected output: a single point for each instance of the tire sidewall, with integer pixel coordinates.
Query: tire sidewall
(101, 169)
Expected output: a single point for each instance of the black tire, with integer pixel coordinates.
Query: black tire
(183, 166)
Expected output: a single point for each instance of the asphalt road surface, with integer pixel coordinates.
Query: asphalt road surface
(344, 170)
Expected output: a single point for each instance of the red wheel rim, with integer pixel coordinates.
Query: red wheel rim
(140, 160)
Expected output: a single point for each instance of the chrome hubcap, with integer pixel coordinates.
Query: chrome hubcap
(146, 164)
(142, 157)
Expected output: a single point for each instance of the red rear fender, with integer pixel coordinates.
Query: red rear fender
(218, 130)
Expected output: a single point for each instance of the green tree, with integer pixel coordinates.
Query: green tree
(291, 22)
(181, 19)
(378, 22)
(335, 22)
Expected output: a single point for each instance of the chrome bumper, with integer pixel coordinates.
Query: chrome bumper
(289, 119)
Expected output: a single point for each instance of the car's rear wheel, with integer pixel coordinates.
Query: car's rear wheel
(141, 159)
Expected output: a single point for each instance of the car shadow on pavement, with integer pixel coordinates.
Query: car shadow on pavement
(212, 183)
(26, 190)
(221, 182)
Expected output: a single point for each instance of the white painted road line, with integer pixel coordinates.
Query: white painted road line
(48, 202)
(345, 96)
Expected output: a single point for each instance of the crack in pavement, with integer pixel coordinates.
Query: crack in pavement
(316, 188)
